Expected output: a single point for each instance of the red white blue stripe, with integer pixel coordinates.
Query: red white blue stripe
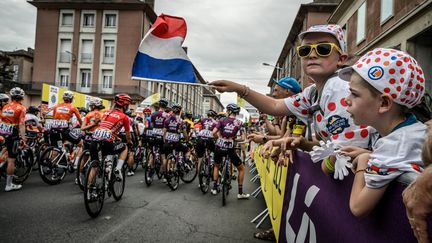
(161, 56)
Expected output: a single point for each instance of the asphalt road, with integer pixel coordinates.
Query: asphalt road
(44, 213)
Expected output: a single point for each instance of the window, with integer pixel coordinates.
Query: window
(109, 49)
(107, 79)
(386, 10)
(86, 51)
(15, 72)
(88, 20)
(67, 19)
(361, 23)
(65, 54)
(85, 78)
(64, 77)
(110, 20)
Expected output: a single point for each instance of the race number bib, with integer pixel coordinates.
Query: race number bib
(76, 133)
(157, 132)
(206, 133)
(172, 137)
(149, 133)
(6, 129)
(225, 143)
(102, 134)
(59, 124)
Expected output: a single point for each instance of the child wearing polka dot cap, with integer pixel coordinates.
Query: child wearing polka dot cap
(384, 85)
(322, 104)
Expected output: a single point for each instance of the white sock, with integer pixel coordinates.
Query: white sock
(120, 163)
(9, 180)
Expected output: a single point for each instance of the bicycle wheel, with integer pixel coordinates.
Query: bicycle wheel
(188, 171)
(94, 189)
(48, 169)
(23, 165)
(148, 173)
(224, 183)
(158, 168)
(117, 186)
(80, 174)
(173, 179)
(204, 176)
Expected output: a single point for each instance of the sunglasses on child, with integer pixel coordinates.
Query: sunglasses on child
(321, 49)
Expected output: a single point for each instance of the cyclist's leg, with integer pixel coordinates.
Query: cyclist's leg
(12, 147)
(218, 154)
(200, 150)
(236, 161)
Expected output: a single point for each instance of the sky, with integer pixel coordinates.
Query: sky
(226, 39)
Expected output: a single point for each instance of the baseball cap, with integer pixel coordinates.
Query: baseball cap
(332, 29)
(289, 83)
(390, 71)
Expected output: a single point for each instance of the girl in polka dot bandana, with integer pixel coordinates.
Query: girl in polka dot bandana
(322, 51)
(384, 85)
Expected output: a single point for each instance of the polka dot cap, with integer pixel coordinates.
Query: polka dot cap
(332, 29)
(393, 72)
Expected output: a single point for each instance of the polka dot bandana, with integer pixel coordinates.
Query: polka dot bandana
(332, 29)
(393, 72)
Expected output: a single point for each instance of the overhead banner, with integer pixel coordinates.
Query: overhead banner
(53, 95)
(273, 179)
(316, 209)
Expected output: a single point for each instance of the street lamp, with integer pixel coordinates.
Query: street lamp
(72, 55)
(275, 67)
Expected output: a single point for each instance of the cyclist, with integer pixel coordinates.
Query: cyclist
(91, 122)
(32, 121)
(174, 132)
(107, 133)
(157, 123)
(135, 135)
(12, 127)
(226, 130)
(62, 114)
(205, 137)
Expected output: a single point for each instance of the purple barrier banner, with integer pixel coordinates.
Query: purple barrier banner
(316, 209)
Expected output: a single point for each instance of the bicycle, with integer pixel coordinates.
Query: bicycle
(179, 168)
(100, 178)
(83, 163)
(55, 160)
(206, 171)
(23, 164)
(225, 178)
(149, 172)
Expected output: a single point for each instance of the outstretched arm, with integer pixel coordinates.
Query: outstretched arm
(262, 102)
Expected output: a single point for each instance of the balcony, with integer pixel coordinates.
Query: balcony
(108, 60)
(86, 58)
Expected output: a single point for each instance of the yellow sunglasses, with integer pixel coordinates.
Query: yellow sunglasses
(321, 49)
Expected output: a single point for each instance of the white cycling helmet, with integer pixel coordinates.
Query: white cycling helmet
(17, 93)
(96, 102)
(68, 95)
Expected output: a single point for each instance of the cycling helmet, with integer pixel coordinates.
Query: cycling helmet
(167, 109)
(96, 102)
(147, 110)
(68, 96)
(122, 100)
(188, 114)
(16, 93)
(211, 113)
(4, 98)
(176, 107)
(83, 110)
(163, 102)
(32, 110)
(233, 108)
(140, 119)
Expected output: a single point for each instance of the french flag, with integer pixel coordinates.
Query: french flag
(160, 56)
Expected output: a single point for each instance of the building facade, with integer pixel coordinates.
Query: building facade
(402, 25)
(288, 63)
(89, 47)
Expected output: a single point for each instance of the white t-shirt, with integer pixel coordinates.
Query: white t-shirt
(396, 153)
(334, 122)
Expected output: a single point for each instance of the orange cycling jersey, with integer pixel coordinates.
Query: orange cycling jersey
(64, 111)
(13, 113)
(91, 118)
